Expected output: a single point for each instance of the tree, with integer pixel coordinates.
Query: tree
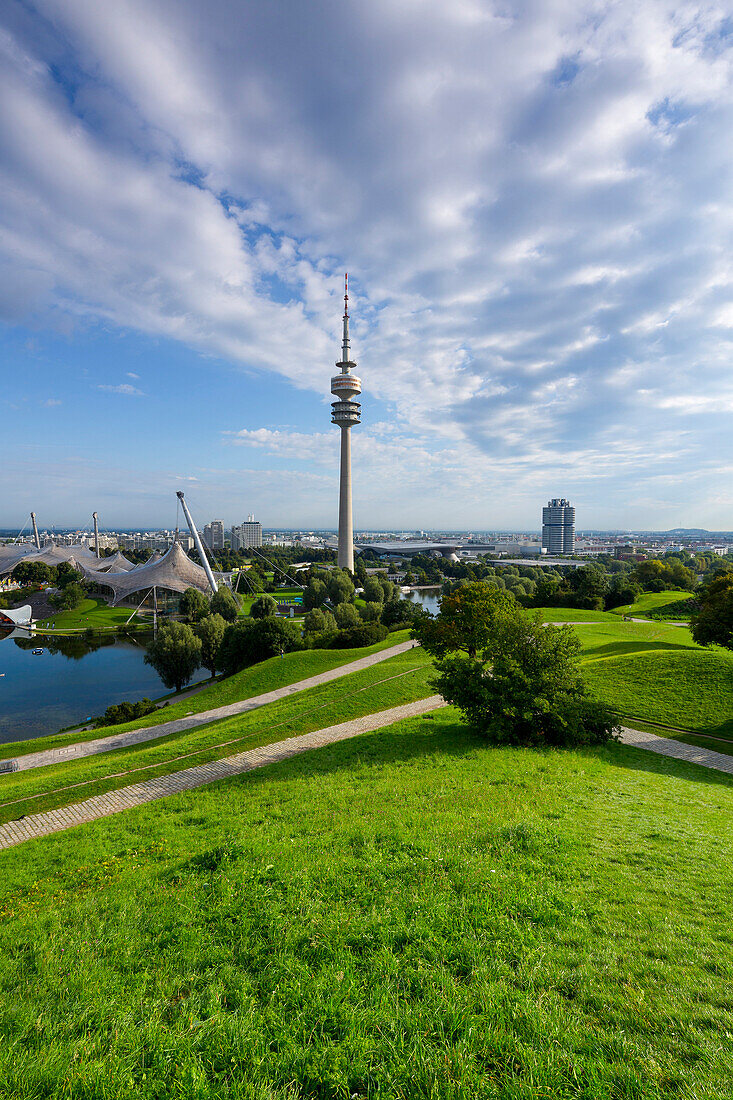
(224, 603)
(69, 597)
(314, 595)
(370, 612)
(713, 623)
(346, 615)
(32, 572)
(175, 654)
(210, 631)
(65, 574)
(465, 620)
(251, 640)
(588, 582)
(318, 621)
(193, 605)
(340, 587)
(263, 607)
(523, 685)
(373, 591)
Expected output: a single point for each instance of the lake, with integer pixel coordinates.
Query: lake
(429, 599)
(67, 683)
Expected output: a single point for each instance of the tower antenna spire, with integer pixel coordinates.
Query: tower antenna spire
(345, 412)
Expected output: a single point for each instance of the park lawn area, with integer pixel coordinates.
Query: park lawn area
(653, 601)
(685, 689)
(92, 613)
(410, 914)
(571, 615)
(266, 676)
(613, 638)
(401, 679)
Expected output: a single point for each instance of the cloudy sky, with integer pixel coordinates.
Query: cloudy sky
(532, 199)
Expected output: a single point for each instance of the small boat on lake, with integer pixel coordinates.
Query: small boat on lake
(36, 651)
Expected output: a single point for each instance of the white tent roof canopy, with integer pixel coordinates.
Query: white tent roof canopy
(174, 571)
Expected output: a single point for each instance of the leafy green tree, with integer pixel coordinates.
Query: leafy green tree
(175, 654)
(193, 605)
(588, 582)
(263, 607)
(225, 603)
(251, 640)
(314, 621)
(340, 587)
(346, 615)
(32, 572)
(465, 620)
(315, 594)
(523, 684)
(713, 623)
(373, 591)
(370, 612)
(65, 574)
(69, 598)
(210, 631)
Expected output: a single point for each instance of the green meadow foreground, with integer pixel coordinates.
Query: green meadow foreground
(409, 914)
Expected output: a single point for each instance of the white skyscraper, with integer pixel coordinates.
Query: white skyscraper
(247, 534)
(346, 411)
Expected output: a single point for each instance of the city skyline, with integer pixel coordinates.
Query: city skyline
(531, 205)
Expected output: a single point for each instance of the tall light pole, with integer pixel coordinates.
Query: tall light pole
(96, 533)
(345, 411)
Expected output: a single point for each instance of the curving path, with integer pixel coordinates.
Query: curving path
(180, 725)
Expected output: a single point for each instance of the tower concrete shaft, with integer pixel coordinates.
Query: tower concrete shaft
(345, 412)
(36, 539)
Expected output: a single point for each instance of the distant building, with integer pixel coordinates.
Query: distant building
(558, 527)
(247, 534)
(214, 535)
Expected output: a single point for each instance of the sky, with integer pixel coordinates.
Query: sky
(532, 200)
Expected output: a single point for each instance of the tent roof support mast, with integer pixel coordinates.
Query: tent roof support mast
(35, 531)
(197, 541)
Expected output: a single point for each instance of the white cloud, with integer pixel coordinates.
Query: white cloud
(536, 195)
(51, 402)
(124, 388)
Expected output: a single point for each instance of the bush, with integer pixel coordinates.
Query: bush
(68, 598)
(251, 640)
(355, 637)
(124, 712)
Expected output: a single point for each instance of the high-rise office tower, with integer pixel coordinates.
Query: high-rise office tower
(558, 527)
(345, 411)
(247, 534)
(214, 535)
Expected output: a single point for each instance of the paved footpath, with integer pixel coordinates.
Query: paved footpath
(180, 725)
(665, 746)
(115, 802)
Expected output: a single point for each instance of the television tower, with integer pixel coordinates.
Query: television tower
(345, 412)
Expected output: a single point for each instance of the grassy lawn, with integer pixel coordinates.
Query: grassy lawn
(92, 613)
(261, 678)
(572, 615)
(691, 690)
(400, 679)
(654, 602)
(406, 915)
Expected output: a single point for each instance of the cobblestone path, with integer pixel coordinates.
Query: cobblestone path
(114, 802)
(180, 725)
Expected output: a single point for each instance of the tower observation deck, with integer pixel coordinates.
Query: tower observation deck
(345, 412)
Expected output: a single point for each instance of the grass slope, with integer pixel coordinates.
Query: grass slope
(688, 690)
(655, 602)
(400, 679)
(257, 680)
(572, 615)
(407, 915)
